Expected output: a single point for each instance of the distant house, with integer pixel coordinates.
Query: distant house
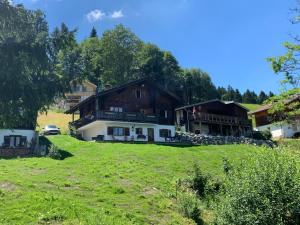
(136, 111)
(80, 92)
(214, 117)
(279, 129)
(17, 142)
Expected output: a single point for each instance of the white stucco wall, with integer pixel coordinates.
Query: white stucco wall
(283, 130)
(30, 134)
(100, 128)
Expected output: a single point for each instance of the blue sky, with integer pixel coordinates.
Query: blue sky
(228, 39)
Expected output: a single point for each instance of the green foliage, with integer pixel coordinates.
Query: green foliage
(189, 205)
(34, 64)
(54, 153)
(285, 106)
(227, 167)
(199, 181)
(262, 135)
(119, 48)
(197, 86)
(264, 189)
(93, 33)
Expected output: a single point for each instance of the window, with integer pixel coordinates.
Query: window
(294, 127)
(164, 133)
(15, 141)
(118, 131)
(138, 94)
(116, 109)
(139, 131)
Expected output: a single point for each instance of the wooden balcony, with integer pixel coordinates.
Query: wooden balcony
(219, 119)
(116, 116)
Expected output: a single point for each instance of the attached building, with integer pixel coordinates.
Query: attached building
(279, 129)
(214, 117)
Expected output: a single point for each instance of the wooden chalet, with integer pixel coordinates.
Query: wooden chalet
(277, 126)
(139, 110)
(214, 117)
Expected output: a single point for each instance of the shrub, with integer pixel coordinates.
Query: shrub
(227, 167)
(54, 153)
(264, 189)
(189, 205)
(296, 135)
(199, 181)
(262, 135)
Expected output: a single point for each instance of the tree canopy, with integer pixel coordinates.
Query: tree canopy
(35, 66)
(289, 66)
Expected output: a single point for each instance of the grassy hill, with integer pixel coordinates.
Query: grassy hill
(251, 107)
(56, 118)
(105, 183)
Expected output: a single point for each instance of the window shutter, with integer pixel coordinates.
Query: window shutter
(109, 131)
(127, 133)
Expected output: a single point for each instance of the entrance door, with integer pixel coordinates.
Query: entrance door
(150, 134)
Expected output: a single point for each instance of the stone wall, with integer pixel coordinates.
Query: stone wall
(14, 152)
(221, 140)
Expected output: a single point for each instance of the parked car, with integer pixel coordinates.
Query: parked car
(51, 130)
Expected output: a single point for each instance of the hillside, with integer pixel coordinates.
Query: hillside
(251, 107)
(56, 118)
(105, 183)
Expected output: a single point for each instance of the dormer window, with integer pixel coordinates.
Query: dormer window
(138, 94)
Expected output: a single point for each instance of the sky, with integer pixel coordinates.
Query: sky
(230, 40)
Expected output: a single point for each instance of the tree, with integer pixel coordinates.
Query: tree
(91, 54)
(150, 62)
(35, 67)
(249, 97)
(288, 65)
(264, 189)
(238, 96)
(119, 50)
(262, 97)
(197, 86)
(93, 33)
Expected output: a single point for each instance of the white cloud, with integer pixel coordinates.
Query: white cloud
(117, 14)
(10, 2)
(95, 15)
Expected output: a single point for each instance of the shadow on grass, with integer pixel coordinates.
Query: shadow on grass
(43, 141)
(175, 144)
(64, 154)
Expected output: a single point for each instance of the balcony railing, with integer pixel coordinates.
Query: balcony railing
(214, 118)
(117, 116)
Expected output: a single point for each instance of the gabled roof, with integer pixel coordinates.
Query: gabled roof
(267, 107)
(121, 87)
(213, 100)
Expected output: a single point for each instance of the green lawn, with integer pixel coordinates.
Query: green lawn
(251, 107)
(104, 183)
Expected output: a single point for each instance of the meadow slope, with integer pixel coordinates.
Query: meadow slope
(105, 183)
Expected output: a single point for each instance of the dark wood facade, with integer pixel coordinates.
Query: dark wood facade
(214, 118)
(137, 101)
(262, 116)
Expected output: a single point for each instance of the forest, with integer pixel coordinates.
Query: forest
(118, 56)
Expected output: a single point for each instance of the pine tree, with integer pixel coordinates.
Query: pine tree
(262, 97)
(93, 33)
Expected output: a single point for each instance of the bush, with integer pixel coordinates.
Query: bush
(262, 135)
(199, 181)
(227, 167)
(264, 189)
(189, 205)
(54, 153)
(296, 135)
